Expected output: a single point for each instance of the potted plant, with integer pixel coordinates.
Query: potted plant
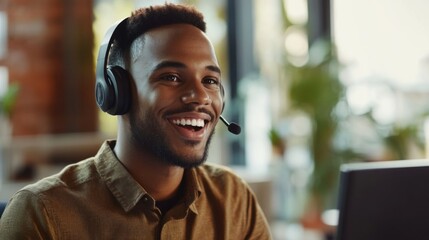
(7, 102)
(315, 89)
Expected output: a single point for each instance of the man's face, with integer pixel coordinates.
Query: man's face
(178, 100)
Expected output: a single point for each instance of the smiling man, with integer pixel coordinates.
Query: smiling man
(164, 82)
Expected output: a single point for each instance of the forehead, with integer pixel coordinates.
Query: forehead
(173, 42)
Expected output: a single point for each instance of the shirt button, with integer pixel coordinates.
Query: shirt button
(145, 199)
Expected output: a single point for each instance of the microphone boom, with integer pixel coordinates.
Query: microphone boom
(233, 128)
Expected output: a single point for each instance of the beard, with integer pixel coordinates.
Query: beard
(148, 134)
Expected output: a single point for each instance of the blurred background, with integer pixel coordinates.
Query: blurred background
(313, 84)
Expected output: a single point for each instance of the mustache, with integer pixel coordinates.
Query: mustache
(190, 109)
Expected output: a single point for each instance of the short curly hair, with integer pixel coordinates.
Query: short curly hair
(145, 19)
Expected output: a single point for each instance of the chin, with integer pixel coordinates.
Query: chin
(186, 164)
(187, 161)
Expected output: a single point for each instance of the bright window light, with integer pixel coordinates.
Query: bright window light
(384, 37)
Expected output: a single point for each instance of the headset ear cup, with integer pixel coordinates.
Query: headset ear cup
(112, 87)
(103, 94)
(120, 83)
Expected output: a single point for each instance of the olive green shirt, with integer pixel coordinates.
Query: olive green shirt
(98, 199)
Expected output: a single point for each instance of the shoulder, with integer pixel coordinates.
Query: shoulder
(40, 201)
(70, 176)
(218, 172)
(227, 192)
(221, 179)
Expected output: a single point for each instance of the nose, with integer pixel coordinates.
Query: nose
(196, 94)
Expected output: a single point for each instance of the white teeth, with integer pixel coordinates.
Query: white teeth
(190, 122)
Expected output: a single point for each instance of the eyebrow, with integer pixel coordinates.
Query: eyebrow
(175, 64)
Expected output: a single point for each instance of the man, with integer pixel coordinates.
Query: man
(152, 182)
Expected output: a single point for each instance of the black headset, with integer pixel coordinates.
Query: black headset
(112, 87)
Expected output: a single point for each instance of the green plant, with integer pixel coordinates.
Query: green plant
(316, 90)
(397, 138)
(277, 142)
(7, 101)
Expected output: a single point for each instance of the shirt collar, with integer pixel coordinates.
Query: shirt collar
(193, 189)
(119, 181)
(128, 191)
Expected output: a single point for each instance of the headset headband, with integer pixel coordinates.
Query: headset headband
(106, 44)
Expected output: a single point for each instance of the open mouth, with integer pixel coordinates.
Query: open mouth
(192, 124)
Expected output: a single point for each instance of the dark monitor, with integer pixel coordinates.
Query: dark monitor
(386, 200)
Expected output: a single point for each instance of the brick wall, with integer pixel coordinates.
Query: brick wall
(50, 55)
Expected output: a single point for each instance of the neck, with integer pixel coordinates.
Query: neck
(159, 179)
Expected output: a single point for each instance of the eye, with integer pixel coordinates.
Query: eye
(212, 83)
(170, 78)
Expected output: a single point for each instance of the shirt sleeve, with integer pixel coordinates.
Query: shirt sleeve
(26, 217)
(258, 224)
